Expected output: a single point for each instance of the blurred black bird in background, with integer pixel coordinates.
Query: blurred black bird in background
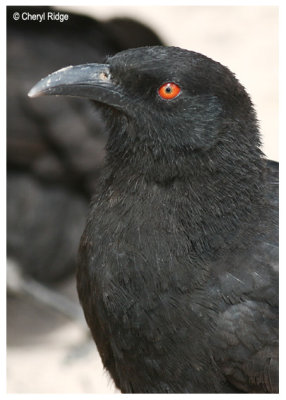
(177, 272)
(55, 151)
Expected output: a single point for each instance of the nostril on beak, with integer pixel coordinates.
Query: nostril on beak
(104, 75)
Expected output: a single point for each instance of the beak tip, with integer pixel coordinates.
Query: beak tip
(34, 92)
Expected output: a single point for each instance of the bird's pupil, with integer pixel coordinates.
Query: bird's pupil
(168, 89)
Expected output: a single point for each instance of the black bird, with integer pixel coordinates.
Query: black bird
(55, 150)
(177, 269)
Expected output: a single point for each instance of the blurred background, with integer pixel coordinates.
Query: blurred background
(55, 152)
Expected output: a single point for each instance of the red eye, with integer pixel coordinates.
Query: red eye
(169, 91)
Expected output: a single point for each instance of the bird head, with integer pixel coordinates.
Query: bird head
(163, 103)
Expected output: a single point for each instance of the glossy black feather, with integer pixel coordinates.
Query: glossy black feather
(178, 262)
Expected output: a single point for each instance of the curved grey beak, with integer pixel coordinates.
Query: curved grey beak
(87, 80)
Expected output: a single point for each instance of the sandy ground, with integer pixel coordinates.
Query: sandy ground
(47, 353)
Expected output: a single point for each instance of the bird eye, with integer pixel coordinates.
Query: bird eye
(169, 91)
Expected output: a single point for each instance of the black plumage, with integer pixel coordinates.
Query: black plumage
(55, 150)
(177, 270)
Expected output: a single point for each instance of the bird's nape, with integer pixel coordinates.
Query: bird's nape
(175, 276)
